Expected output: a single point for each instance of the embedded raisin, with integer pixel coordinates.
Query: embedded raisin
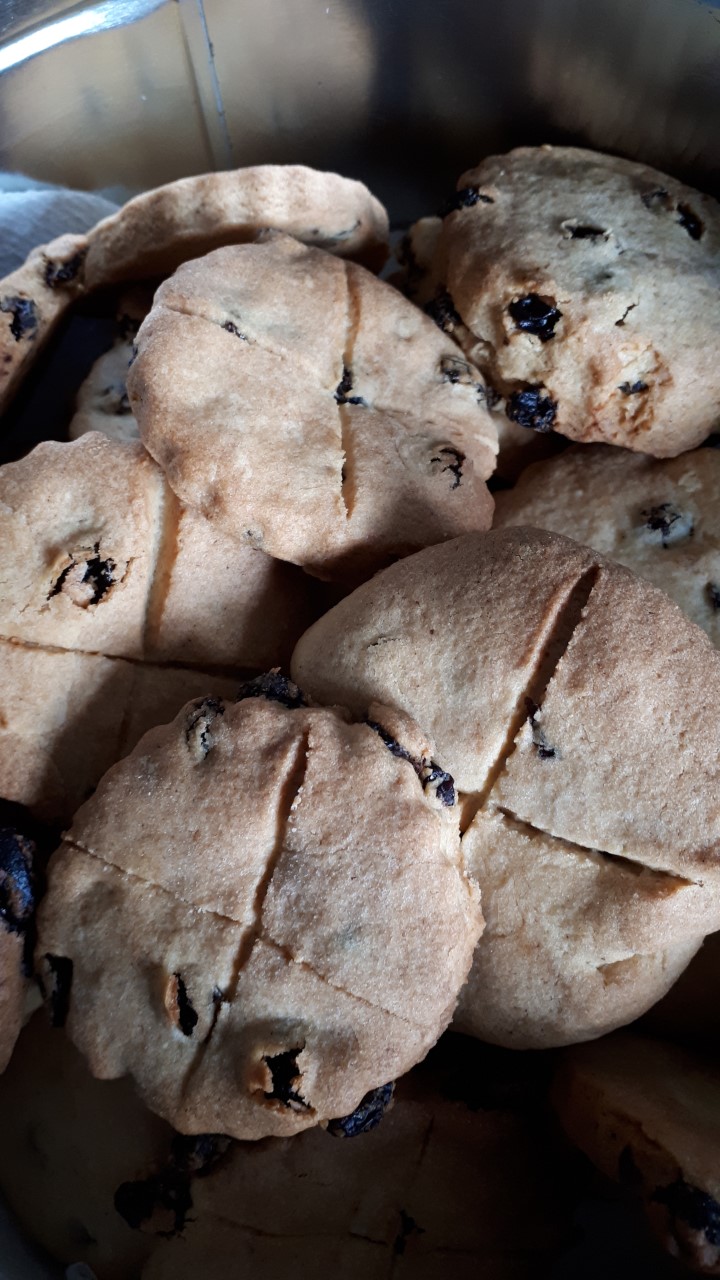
(99, 573)
(668, 523)
(465, 198)
(229, 327)
(532, 314)
(690, 221)
(24, 316)
(60, 273)
(659, 198)
(365, 1116)
(441, 309)
(17, 888)
(275, 688)
(284, 1072)
(450, 459)
(197, 1154)
(187, 1018)
(633, 388)
(532, 408)
(200, 720)
(692, 1206)
(574, 230)
(345, 385)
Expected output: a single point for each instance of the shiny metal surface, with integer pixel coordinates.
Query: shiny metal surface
(403, 93)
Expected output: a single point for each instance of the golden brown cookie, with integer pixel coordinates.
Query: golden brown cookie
(340, 429)
(241, 942)
(658, 517)
(567, 698)
(588, 289)
(648, 1114)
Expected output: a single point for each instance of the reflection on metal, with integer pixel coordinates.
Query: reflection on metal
(202, 59)
(100, 17)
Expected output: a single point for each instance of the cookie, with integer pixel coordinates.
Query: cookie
(99, 557)
(421, 279)
(551, 679)
(588, 286)
(240, 942)
(660, 518)
(102, 400)
(647, 1114)
(65, 717)
(340, 429)
(17, 911)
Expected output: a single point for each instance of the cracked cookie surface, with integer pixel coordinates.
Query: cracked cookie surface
(247, 953)
(291, 356)
(551, 681)
(624, 261)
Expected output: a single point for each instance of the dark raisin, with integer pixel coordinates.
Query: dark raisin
(540, 742)
(284, 1071)
(58, 998)
(713, 594)
(574, 230)
(164, 1193)
(532, 409)
(60, 273)
(441, 309)
(532, 314)
(408, 1227)
(99, 573)
(450, 459)
(197, 733)
(668, 523)
(690, 221)
(187, 1016)
(366, 1116)
(692, 1206)
(275, 687)
(628, 1172)
(392, 745)
(442, 783)
(229, 327)
(633, 388)
(454, 369)
(198, 1154)
(24, 316)
(465, 198)
(659, 198)
(17, 888)
(345, 385)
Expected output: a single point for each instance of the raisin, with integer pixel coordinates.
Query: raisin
(345, 385)
(532, 314)
(441, 309)
(197, 1154)
(669, 523)
(574, 230)
(284, 1071)
(229, 327)
(431, 776)
(532, 409)
(713, 594)
(99, 573)
(692, 1206)
(392, 744)
(659, 198)
(167, 1192)
(200, 720)
(451, 459)
(690, 221)
(540, 742)
(633, 388)
(454, 369)
(61, 975)
(408, 1227)
(60, 273)
(465, 198)
(24, 316)
(275, 688)
(365, 1116)
(187, 1018)
(17, 888)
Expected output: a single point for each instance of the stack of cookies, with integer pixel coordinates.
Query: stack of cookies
(353, 703)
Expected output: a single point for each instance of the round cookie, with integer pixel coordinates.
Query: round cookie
(242, 943)
(648, 1114)
(100, 557)
(547, 676)
(660, 518)
(588, 285)
(340, 429)
(157, 230)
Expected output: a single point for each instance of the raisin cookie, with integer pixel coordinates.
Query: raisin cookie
(648, 1115)
(17, 909)
(340, 429)
(660, 518)
(551, 679)
(279, 923)
(154, 232)
(99, 557)
(585, 287)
